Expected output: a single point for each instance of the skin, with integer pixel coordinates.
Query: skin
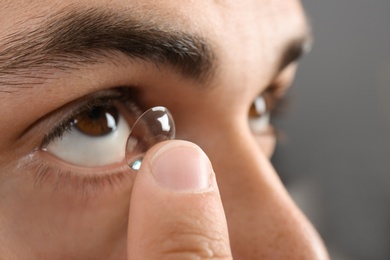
(245, 213)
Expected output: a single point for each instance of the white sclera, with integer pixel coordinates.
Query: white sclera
(88, 151)
(122, 144)
(154, 126)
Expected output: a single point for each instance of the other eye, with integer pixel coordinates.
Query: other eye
(95, 136)
(259, 113)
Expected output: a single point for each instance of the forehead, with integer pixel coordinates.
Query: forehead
(245, 35)
(193, 14)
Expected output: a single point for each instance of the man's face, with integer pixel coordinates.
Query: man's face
(63, 194)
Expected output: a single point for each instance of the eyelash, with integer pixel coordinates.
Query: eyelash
(72, 181)
(122, 95)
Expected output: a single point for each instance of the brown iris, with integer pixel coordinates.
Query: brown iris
(263, 104)
(99, 121)
(258, 108)
(253, 113)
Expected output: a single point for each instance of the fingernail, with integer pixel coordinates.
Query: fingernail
(181, 168)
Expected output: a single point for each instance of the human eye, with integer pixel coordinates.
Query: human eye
(95, 134)
(261, 110)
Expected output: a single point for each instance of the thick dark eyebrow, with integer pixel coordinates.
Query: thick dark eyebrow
(71, 38)
(296, 48)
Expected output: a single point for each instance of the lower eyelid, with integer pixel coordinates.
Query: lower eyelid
(77, 181)
(261, 124)
(266, 140)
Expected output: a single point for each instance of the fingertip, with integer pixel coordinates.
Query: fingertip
(179, 166)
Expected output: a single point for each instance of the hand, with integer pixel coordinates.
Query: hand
(176, 210)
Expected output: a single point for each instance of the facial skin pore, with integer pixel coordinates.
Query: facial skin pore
(206, 61)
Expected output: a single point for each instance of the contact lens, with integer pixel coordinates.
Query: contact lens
(153, 126)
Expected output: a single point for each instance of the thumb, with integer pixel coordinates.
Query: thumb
(176, 211)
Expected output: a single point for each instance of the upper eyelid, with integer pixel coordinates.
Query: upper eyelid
(104, 98)
(282, 80)
(63, 125)
(63, 113)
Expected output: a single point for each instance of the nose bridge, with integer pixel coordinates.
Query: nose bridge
(263, 221)
(236, 155)
(243, 170)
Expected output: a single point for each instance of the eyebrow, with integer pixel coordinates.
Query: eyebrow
(70, 38)
(296, 48)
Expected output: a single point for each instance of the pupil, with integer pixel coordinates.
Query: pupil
(99, 121)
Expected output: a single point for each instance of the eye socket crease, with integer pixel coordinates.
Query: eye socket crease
(70, 38)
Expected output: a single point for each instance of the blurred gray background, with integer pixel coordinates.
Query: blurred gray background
(336, 157)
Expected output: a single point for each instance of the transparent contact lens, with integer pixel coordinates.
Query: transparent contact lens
(153, 126)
